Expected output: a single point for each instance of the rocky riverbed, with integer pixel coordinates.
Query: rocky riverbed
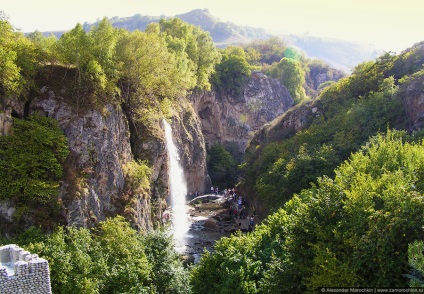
(210, 221)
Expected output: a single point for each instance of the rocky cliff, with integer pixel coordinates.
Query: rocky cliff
(288, 124)
(413, 101)
(104, 141)
(99, 149)
(232, 121)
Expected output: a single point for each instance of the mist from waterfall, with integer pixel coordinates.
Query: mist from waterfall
(178, 192)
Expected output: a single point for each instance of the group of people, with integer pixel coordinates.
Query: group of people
(237, 209)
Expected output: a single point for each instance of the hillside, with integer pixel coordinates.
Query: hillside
(340, 54)
(339, 182)
(311, 139)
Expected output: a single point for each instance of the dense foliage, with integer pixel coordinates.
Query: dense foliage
(19, 61)
(271, 50)
(222, 167)
(291, 75)
(114, 258)
(232, 72)
(31, 161)
(350, 111)
(350, 231)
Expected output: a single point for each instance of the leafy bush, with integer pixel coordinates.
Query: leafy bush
(277, 170)
(222, 166)
(32, 157)
(350, 231)
(111, 259)
(416, 261)
(291, 75)
(232, 72)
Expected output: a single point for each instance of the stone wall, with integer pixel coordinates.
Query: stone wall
(30, 275)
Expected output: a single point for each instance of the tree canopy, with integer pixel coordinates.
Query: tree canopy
(222, 167)
(114, 258)
(291, 75)
(351, 231)
(232, 72)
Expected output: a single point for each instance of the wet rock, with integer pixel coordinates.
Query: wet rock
(187, 259)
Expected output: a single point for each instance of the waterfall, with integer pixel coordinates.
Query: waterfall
(178, 192)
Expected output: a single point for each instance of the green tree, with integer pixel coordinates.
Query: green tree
(222, 167)
(91, 58)
(45, 47)
(73, 47)
(103, 42)
(150, 73)
(32, 158)
(291, 74)
(232, 72)
(197, 46)
(18, 63)
(168, 274)
(271, 50)
(74, 260)
(353, 230)
(128, 270)
(9, 71)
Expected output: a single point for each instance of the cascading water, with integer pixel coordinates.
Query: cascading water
(178, 192)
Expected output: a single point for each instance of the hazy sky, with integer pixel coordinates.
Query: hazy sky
(391, 25)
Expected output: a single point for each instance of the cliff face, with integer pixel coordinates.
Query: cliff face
(187, 131)
(232, 120)
(99, 148)
(102, 143)
(413, 101)
(288, 124)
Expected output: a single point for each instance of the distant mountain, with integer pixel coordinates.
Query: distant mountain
(340, 54)
(223, 33)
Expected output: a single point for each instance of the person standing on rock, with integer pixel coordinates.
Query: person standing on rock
(242, 211)
(252, 222)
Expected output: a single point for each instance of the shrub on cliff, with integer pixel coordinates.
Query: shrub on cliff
(222, 167)
(232, 72)
(31, 159)
(291, 75)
